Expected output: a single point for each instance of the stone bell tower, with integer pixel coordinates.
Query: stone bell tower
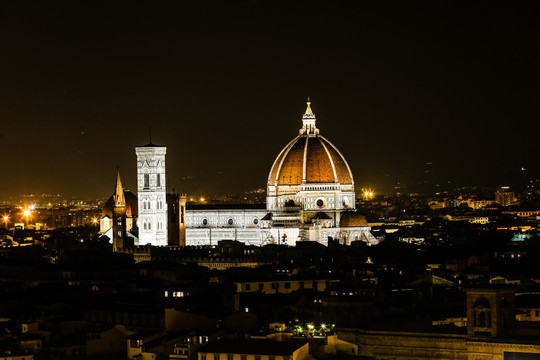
(119, 216)
(151, 191)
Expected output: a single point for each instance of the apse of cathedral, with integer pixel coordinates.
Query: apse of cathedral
(310, 197)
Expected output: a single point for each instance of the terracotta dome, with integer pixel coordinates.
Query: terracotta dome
(131, 205)
(310, 159)
(353, 219)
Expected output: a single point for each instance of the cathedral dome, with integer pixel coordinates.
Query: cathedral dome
(131, 205)
(309, 158)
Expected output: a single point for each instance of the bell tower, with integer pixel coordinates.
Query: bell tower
(151, 191)
(119, 216)
(491, 311)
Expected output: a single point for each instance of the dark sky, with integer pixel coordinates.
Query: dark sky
(393, 85)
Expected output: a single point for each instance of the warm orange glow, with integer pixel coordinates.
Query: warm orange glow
(368, 194)
(95, 220)
(27, 212)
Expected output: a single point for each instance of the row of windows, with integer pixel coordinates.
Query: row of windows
(147, 205)
(147, 225)
(286, 285)
(147, 181)
(175, 293)
(230, 221)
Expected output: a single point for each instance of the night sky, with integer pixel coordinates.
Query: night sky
(224, 83)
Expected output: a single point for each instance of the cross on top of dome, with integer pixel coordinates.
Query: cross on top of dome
(308, 121)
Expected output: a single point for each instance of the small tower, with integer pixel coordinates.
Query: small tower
(490, 311)
(176, 209)
(173, 214)
(152, 191)
(119, 216)
(182, 205)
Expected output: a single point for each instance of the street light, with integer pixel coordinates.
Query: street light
(27, 213)
(6, 219)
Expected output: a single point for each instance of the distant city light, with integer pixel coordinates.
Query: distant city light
(368, 194)
(27, 212)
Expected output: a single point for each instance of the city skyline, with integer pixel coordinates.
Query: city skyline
(395, 87)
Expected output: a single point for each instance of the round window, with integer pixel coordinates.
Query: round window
(230, 221)
(255, 221)
(205, 222)
(320, 203)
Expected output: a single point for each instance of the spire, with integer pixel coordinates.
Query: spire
(308, 121)
(119, 198)
(309, 113)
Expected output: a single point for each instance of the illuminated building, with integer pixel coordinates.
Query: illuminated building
(505, 197)
(151, 193)
(310, 197)
(119, 214)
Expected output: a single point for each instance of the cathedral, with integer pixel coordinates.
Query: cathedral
(310, 197)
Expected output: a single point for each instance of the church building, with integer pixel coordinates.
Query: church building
(310, 197)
